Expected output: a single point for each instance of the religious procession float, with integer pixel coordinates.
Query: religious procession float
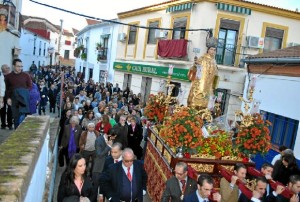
(197, 135)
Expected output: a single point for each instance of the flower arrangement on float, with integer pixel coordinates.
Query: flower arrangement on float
(156, 107)
(183, 130)
(255, 138)
(218, 144)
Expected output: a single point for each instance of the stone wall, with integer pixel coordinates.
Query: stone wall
(22, 157)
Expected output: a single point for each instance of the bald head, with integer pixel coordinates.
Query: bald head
(5, 69)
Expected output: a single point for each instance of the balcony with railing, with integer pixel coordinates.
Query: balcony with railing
(226, 54)
(102, 54)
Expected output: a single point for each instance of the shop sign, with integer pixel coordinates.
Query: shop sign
(151, 70)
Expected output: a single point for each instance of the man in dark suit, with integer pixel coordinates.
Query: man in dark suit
(204, 192)
(124, 181)
(270, 194)
(294, 186)
(115, 155)
(179, 185)
(117, 89)
(257, 193)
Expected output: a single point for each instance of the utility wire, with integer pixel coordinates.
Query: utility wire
(117, 22)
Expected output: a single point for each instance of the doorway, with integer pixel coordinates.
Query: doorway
(127, 81)
(145, 88)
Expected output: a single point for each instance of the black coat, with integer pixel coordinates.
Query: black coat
(65, 191)
(282, 174)
(134, 140)
(122, 132)
(111, 181)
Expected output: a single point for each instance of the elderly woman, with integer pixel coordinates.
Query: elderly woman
(89, 118)
(70, 138)
(74, 184)
(87, 144)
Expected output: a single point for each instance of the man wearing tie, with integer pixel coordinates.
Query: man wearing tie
(124, 181)
(204, 192)
(115, 155)
(179, 185)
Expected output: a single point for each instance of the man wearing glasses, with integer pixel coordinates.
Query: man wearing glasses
(18, 85)
(124, 181)
(179, 185)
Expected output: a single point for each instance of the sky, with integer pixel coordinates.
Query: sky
(107, 9)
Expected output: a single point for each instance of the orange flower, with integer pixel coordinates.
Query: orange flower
(255, 138)
(187, 130)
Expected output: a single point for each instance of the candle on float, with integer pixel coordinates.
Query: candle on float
(170, 72)
(252, 82)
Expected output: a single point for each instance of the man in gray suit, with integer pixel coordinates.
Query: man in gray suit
(179, 185)
(103, 145)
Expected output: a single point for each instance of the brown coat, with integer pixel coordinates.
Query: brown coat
(82, 140)
(228, 194)
(67, 133)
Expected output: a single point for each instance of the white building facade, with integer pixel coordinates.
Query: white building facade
(96, 44)
(39, 42)
(242, 28)
(34, 49)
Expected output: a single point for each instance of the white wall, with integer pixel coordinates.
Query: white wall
(94, 33)
(279, 95)
(8, 41)
(27, 43)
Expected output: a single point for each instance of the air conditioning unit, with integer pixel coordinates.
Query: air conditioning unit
(293, 44)
(255, 42)
(160, 34)
(122, 37)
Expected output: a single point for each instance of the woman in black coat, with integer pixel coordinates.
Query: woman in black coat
(284, 168)
(135, 136)
(74, 182)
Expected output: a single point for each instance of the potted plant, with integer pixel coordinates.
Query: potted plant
(83, 56)
(99, 46)
(78, 50)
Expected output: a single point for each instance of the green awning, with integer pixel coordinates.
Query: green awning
(234, 9)
(180, 7)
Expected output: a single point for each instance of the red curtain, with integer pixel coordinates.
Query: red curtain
(172, 48)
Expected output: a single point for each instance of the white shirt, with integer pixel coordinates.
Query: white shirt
(200, 199)
(2, 85)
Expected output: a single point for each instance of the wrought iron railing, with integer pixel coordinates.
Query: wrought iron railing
(226, 54)
(102, 54)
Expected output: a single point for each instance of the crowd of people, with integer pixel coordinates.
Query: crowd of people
(102, 142)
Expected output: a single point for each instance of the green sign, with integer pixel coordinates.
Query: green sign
(151, 70)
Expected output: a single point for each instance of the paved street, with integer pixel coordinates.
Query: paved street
(4, 134)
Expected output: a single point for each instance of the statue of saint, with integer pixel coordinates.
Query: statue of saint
(203, 75)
